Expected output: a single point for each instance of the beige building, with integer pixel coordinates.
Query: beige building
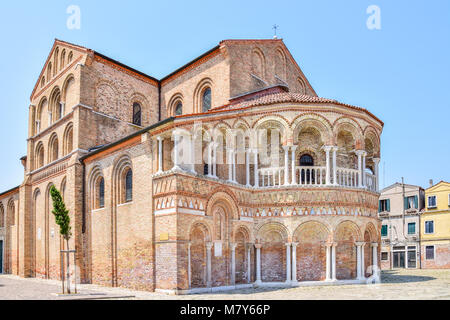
(399, 208)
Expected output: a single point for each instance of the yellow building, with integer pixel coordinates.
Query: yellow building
(435, 227)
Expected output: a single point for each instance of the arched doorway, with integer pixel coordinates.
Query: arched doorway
(198, 273)
(346, 234)
(311, 251)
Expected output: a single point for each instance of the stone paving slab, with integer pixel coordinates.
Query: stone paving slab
(408, 284)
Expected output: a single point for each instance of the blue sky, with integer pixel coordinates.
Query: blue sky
(400, 73)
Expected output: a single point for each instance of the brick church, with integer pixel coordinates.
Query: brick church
(229, 172)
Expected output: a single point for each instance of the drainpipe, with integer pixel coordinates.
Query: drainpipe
(159, 101)
(83, 202)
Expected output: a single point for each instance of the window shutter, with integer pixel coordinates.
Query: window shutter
(416, 202)
(379, 205)
(405, 203)
(388, 205)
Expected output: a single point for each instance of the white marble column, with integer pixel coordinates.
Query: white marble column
(209, 246)
(233, 263)
(210, 147)
(247, 166)
(176, 140)
(256, 168)
(234, 165)
(360, 173)
(335, 149)
(288, 262)
(333, 261)
(189, 265)
(294, 262)
(376, 168)
(249, 265)
(192, 155)
(160, 154)
(363, 267)
(230, 164)
(328, 262)
(214, 159)
(294, 178)
(258, 263)
(374, 246)
(286, 165)
(364, 169)
(328, 165)
(358, 260)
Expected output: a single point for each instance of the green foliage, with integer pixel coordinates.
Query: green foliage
(61, 214)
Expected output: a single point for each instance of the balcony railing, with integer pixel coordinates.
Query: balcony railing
(314, 176)
(310, 176)
(271, 177)
(347, 177)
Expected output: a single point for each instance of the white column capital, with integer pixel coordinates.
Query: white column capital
(288, 244)
(359, 152)
(359, 243)
(327, 148)
(293, 148)
(374, 244)
(294, 244)
(233, 246)
(331, 244)
(258, 245)
(209, 245)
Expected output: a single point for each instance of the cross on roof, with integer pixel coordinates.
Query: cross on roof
(275, 29)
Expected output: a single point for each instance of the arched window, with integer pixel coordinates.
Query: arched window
(179, 109)
(129, 186)
(70, 58)
(11, 213)
(308, 176)
(137, 114)
(56, 57)
(2, 216)
(206, 100)
(56, 108)
(63, 60)
(39, 124)
(101, 193)
(63, 189)
(42, 82)
(306, 161)
(68, 140)
(39, 156)
(49, 71)
(53, 149)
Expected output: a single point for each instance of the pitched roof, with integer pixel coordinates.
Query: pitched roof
(442, 182)
(397, 184)
(200, 59)
(288, 97)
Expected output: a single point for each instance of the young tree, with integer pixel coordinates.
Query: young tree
(63, 221)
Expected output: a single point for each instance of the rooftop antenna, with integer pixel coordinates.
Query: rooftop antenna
(275, 29)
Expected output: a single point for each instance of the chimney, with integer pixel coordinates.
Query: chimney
(431, 183)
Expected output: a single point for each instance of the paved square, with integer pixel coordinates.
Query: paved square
(397, 284)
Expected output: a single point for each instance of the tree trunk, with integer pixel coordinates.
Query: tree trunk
(68, 267)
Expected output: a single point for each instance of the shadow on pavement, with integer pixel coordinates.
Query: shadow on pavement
(392, 277)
